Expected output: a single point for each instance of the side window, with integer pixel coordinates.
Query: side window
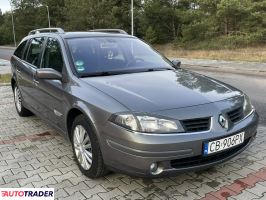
(20, 49)
(52, 57)
(35, 50)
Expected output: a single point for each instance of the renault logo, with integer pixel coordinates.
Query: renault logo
(223, 121)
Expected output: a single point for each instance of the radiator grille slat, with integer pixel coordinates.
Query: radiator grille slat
(236, 114)
(196, 125)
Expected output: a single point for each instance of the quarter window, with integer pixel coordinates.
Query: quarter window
(52, 56)
(20, 49)
(35, 50)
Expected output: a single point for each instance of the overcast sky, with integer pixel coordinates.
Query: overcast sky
(4, 5)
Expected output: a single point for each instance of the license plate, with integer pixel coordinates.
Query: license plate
(222, 144)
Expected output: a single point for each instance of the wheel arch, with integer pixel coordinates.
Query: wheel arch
(72, 114)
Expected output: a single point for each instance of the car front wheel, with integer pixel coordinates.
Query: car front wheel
(86, 148)
(21, 110)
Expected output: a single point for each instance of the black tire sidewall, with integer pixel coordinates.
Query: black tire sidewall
(23, 112)
(97, 161)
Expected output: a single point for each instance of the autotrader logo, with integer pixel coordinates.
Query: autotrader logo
(27, 193)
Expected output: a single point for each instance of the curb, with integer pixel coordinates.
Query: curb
(4, 62)
(5, 84)
(5, 67)
(225, 70)
(7, 47)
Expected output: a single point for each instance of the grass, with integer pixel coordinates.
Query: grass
(5, 78)
(255, 54)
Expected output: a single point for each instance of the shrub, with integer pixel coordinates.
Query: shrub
(151, 35)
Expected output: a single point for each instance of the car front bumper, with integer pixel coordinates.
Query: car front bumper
(133, 153)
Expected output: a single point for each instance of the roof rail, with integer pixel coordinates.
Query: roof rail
(109, 31)
(46, 30)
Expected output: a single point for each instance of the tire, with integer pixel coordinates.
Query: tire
(86, 148)
(21, 110)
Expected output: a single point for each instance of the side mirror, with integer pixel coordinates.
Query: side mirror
(176, 63)
(48, 73)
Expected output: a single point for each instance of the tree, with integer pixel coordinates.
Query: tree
(231, 13)
(157, 21)
(162, 17)
(6, 29)
(1, 17)
(121, 13)
(151, 35)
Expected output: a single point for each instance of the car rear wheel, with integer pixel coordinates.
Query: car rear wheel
(86, 148)
(21, 110)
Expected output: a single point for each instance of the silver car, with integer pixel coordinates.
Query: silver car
(125, 107)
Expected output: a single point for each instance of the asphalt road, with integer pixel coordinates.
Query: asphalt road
(254, 86)
(5, 53)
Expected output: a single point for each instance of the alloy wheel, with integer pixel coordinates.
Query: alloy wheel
(82, 147)
(17, 98)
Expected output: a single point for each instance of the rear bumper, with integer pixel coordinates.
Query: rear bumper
(133, 153)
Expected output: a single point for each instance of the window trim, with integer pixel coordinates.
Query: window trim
(43, 52)
(26, 49)
(23, 50)
(70, 61)
(39, 57)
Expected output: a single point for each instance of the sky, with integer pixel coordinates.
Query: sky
(4, 5)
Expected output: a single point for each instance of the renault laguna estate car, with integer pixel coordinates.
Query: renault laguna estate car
(125, 107)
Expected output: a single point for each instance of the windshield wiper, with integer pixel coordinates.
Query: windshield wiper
(104, 73)
(126, 71)
(158, 69)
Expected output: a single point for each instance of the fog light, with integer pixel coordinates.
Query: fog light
(153, 167)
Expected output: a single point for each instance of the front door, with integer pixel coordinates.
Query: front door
(27, 70)
(51, 92)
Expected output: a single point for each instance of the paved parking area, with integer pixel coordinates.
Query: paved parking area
(32, 154)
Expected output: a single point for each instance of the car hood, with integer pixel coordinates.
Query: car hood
(161, 90)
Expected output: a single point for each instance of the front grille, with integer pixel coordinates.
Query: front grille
(201, 160)
(236, 114)
(196, 125)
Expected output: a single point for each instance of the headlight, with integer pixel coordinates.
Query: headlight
(146, 123)
(247, 106)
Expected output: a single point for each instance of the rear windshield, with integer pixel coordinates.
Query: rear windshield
(105, 54)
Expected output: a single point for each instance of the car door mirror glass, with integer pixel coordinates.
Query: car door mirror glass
(48, 73)
(176, 63)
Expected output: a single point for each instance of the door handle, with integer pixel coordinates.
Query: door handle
(35, 82)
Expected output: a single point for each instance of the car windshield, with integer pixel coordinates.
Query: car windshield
(110, 55)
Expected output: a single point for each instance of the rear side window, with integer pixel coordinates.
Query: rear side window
(52, 55)
(20, 49)
(35, 50)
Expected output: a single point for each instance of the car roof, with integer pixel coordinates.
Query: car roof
(59, 32)
(93, 34)
(68, 35)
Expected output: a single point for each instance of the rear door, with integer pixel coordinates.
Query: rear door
(28, 69)
(18, 67)
(51, 92)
